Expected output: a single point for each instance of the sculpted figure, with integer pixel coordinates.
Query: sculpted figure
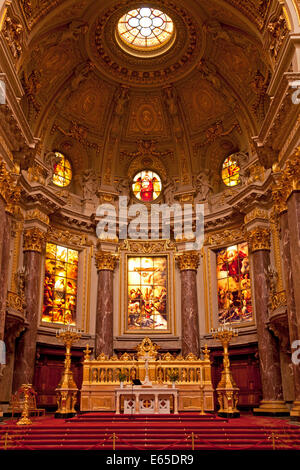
(203, 186)
(169, 192)
(89, 183)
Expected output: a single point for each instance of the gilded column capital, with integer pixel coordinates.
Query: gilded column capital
(188, 260)
(33, 239)
(259, 239)
(105, 261)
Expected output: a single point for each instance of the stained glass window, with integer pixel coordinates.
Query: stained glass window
(62, 171)
(147, 293)
(145, 28)
(146, 186)
(60, 285)
(230, 172)
(234, 284)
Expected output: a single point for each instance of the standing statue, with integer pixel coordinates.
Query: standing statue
(203, 186)
(89, 182)
(123, 186)
(169, 192)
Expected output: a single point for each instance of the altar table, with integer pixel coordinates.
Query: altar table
(146, 400)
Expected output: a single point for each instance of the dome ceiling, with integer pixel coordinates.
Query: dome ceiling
(84, 89)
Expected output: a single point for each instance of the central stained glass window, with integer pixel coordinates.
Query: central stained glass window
(147, 293)
(145, 29)
(146, 186)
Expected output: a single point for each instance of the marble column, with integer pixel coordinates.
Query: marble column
(188, 264)
(33, 241)
(268, 347)
(105, 263)
(291, 306)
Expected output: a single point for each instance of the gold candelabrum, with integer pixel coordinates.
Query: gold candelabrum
(227, 391)
(27, 390)
(66, 390)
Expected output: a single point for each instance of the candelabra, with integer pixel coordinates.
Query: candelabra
(27, 390)
(66, 390)
(227, 391)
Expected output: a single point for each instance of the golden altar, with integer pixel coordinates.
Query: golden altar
(101, 377)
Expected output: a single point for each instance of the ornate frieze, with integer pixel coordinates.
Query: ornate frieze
(259, 239)
(188, 261)
(66, 237)
(256, 213)
(33, 239)
(105, 261)
(36, 214)
(15, 302)
(225, 237)
(147, 247)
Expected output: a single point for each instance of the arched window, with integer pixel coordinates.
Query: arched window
(62, 171)
(60, 285)
(146, 186)
(231, 171)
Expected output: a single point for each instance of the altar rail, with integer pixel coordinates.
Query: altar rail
(101, 378)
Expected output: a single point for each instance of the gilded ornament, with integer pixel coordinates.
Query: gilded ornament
(105, 261)
(188, 261)
(225, 237)
(259, 239)
(33, 240)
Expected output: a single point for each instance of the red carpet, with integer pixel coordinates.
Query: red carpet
(104, 431)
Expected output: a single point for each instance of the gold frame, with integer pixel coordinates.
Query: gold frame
(147, 330)
(212, 249)
(84, 267)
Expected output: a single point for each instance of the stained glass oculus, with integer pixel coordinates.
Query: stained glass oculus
(146, 186)
(234, 284)
(60, 285)
(230, 172)
(62, 171)
(145, 29)
(147, 293)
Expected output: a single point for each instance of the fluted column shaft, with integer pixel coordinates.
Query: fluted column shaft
(188, 264)
(26, 346)
(105, 263)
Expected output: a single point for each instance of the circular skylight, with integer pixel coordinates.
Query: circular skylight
(145, 29)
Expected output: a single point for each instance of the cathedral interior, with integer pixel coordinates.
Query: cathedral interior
(163, 102)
